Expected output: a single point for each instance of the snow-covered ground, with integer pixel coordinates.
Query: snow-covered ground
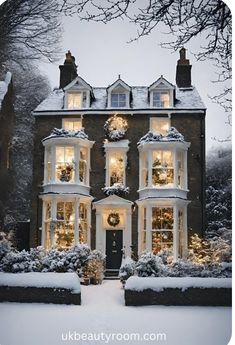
(103, 311)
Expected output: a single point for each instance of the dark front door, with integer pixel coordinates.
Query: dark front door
(113, 249)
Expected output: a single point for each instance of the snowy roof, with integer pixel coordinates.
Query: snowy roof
(4, 87)
(187, 98)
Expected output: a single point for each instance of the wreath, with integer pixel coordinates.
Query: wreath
(113, 219)
(115, 128)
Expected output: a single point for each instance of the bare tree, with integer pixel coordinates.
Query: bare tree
(29, 29)
(185, 20)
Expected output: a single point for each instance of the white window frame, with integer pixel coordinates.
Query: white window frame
(118, 102)
(85, 93)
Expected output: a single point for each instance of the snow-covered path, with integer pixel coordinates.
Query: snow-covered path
(103, 310)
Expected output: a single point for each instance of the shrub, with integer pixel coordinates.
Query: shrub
(127, 269)
(150, 265)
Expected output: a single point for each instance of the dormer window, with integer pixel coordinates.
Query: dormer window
(161, 94)
(161, 99)
(119, 94)
(76, 100)
(118, 100)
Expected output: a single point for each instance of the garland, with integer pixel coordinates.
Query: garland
(113, 219)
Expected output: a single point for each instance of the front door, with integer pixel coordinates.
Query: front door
(113, 249)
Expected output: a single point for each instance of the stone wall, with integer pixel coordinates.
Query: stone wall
(190, 125)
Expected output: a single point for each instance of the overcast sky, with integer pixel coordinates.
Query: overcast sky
(102, 52)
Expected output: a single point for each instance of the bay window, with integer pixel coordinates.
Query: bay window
(162, 168)
(65, 216)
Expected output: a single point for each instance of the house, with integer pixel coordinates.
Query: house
(121, 168)
(7, 119)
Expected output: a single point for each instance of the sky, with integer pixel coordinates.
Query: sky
(102, 52)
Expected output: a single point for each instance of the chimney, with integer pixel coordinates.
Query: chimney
(183, 70)
(68, 71)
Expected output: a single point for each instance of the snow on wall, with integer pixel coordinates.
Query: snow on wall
(186, 99)
(68, 281)
(4, 87)
(159, 284)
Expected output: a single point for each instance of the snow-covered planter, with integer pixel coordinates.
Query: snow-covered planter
(117, 189)
(60, 133)
(115, 128)
(172, 135)
(127, 269)
(40, 287)
(178, 291)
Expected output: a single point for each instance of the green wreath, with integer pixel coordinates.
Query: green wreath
(113, 219)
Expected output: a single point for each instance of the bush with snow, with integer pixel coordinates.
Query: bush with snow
(60, 132)
(6, 245)
(127, 269)
(150, 265)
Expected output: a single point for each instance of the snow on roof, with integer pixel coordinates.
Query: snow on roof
(4, 87)
(187, 98)
(159, 284)
(68, 281)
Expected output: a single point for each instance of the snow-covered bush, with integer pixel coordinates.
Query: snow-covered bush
(60, 132)
(127, 269)
(150, 265)
(117, 189)
(24, 261)
(174, 135)
(6, 245)
(70, 260)
(166, 255)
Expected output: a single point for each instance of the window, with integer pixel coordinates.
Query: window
(76, 100)
(161, 99)
(180, 228)
(162, 168)
(116, 168)
(143, 232)
(160, 125)
(65, 164)
(48, 163)
(118, 100)
(82, 223)
(162, 228)
(65, 216)
(144, 173)
(72, 124)
(47, 222)
(83, 166)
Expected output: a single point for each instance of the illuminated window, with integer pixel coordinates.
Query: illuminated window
(65, 164)
(144, 171)
(72, 124)
(49, 171)
(75, 100)
(162, 168)
(160, 125)
(83, 166)
(161, 99)
(118, 100)
(47, 222)
(65, 224)
(143, 232)
(116, 168)
(82, 223)
(162, 228)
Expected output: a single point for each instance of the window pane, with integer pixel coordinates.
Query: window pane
(75, 100)
(116, 168)
(162, 228)
(49, 172)
(162, 169)
(82, 223)
(83, 165)
(72, 125)
(64, 164)
(161, 99)
(118, 100)
(160, 125)
(64, 233)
